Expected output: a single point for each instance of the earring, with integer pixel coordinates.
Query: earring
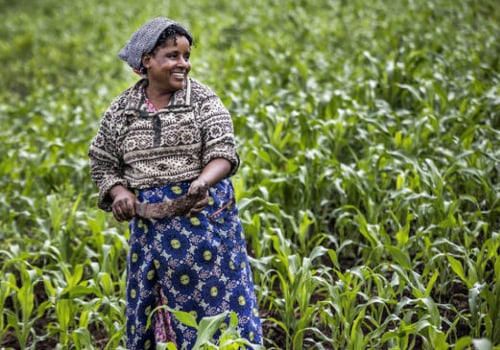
(143, 72)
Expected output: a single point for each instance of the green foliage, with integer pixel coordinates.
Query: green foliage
(369, 185)
(226, 323)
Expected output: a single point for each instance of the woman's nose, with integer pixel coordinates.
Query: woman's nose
(182, 61)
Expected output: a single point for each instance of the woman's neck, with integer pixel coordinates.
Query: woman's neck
(158, 97)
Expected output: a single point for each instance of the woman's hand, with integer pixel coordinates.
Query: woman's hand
(123, 206)
(199, 190)
(214, 171)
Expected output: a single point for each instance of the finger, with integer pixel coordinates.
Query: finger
(117, 215)
(128, 210)
(195, 210)
(132, 210)
(120, 213)
(202, 203)
(194, 190)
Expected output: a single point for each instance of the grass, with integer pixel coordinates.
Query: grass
(369, 188)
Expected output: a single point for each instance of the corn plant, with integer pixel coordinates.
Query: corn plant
(368, 188)
(226, 323)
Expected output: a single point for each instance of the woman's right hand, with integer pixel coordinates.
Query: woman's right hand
(123, 206)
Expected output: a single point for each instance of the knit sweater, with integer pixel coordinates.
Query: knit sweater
(139, 149)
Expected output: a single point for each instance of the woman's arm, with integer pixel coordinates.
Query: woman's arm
(216, 170)
(104, 159)
(217, 132)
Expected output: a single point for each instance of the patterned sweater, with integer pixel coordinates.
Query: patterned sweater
(139, 149)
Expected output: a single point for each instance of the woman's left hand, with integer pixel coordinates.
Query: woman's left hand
(214, 171)
(199, 190)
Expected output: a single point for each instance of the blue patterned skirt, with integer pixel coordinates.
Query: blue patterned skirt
(198, 265)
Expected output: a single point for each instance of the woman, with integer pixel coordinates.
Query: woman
(162, 158)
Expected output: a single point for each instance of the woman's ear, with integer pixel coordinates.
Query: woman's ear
(145, 61)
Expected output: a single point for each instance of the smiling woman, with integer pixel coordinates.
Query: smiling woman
(168, 141)
(368, 188)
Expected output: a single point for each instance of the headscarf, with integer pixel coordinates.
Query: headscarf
(144, 40)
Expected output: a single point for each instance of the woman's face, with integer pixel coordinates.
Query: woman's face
(169, 65)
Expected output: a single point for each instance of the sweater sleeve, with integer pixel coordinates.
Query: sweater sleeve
(217, 132)
(105, 160)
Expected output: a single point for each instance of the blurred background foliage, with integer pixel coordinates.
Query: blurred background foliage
(369, 185)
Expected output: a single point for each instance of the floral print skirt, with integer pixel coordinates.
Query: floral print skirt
(198, 265)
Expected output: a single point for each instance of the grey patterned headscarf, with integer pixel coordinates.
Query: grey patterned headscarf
(144, 40)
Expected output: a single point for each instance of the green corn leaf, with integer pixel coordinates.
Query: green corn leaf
(106, 283)
(207, 328)
(400, 257)
(185, 317)
(464, 343)
(431, 283)
(63, 313)
(457, 267)
(433, 311)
